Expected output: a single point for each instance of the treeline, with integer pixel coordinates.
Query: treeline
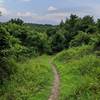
(75, 31)
(19, 40)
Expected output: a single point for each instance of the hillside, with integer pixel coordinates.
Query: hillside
(79, 70)
(40, 62)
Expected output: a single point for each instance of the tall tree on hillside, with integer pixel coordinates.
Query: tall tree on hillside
(17, 21)
(98, 26)
(61, 24)
(71, 26)
(87, 24)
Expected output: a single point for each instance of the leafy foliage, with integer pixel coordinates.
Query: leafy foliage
(80, 39)
(79, 70)
(32, 81)
(20, 41)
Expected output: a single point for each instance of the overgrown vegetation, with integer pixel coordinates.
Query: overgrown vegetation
(20, 41)
(79, 70)
(32, 81)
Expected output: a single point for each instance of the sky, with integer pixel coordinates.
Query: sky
(47, 11)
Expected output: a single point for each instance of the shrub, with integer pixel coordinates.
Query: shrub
(95, 41)
(74, 53)
(7, 68)
(80, 39)
(79, 71)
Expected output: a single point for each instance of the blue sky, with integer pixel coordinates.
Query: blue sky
(47, 11)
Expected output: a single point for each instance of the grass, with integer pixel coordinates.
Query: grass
(79, 71)
(32, 81)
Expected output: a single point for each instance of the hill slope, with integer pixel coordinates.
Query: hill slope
(79, 70)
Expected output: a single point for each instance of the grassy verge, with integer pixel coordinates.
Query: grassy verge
(79, 71)
(32, 81)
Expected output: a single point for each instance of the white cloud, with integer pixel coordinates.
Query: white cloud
(25, 14)
(51, 8)
(96, 11)
(25, 0)
(3, 11)
(51, 17)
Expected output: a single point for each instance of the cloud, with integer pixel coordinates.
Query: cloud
(3, 11)
(51, 18)
(56, 15)
(26, 14)
(25, 0)
(96, 11)
(52, 15)
(51, 8)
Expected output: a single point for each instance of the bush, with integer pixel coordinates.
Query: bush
(32, 81)
(73, 53)
(7, 68)
(80, 39)
(95, 41)
(79, 71)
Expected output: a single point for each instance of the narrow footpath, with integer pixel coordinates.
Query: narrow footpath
(55, 88)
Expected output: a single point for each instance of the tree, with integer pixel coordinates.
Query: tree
(61, 24)
(16, 21)
(57, 42)
(81, 39)
(6, 67)
(98, 26)
(50, 32)
(95, 41)
(86, 23)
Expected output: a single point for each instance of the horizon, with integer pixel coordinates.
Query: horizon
(47, 11)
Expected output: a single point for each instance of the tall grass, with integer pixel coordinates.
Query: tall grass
(32, 81)
(79, 71)
(73, 53)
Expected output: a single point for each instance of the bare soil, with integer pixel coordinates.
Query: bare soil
(55, 88)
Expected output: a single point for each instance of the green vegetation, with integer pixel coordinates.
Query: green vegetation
(32, 81)
(79, 70)
(25, 74)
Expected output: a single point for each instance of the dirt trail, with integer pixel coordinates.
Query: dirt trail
(55, 87)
